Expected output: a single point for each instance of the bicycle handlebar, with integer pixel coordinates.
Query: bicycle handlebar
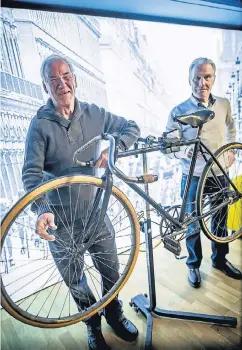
(90, 163)
(147, 178)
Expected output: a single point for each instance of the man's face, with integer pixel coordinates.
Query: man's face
(60, 84)
(201, 80)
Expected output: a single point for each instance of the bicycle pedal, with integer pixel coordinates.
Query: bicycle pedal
(172, 245)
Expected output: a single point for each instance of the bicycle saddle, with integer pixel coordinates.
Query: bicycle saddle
(196, 118)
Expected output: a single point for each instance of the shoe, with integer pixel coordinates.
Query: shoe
(96, 340)
(228, 269)
(194, 278)
(11, 262)
(124, 328)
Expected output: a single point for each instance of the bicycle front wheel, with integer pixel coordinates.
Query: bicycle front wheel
(218, 202)
(40, 284)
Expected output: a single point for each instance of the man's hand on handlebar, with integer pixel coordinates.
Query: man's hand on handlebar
(44, 222)
(231, 158)
(102, 161)
(189, 153)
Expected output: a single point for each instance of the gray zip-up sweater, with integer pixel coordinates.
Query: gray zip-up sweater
(215, 133)
(52, 140)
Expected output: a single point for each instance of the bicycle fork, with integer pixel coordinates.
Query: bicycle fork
(108, 180)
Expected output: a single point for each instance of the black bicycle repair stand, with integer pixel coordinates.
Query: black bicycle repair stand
(148, 306)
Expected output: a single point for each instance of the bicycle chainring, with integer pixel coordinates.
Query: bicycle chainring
(166, 227)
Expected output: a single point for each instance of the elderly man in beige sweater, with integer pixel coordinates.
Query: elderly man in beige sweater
(215, 134)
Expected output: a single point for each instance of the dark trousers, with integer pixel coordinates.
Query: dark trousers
(72, 267)
(218, 223)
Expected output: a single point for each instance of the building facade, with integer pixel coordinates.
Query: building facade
(133, 89)
(111, 69)
(20, 98)
(135, 92)
(26, 38)
(231, 70)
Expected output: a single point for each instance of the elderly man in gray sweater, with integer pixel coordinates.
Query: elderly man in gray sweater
(59, 128)
(215, 134)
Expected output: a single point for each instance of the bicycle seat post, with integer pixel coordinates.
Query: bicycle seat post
(199, 130)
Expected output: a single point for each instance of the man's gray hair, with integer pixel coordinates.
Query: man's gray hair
(201, 60)
(48, 61)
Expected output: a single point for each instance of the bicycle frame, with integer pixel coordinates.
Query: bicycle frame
(179, 224)
(198, 147)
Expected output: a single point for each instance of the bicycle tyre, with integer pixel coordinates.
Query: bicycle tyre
(34, 320)
(200, 199)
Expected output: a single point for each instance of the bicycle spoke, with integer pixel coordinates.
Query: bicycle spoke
(60, 280)
(102, 278)
(220, 205)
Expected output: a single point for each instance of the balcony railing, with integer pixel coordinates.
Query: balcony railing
(21, 86)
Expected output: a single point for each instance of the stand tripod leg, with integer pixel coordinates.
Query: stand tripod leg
(192, 316)
(141, 303)
(138, 304)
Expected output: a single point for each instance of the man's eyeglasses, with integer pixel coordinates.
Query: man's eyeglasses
(68, 77)
(208, 77)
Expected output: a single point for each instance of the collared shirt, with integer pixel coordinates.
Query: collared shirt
(211, 101)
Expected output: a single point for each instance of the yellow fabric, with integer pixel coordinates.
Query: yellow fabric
(234, 221)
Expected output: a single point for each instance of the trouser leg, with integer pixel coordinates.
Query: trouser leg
(9, 246)
(105, 258)
(21, 236)
(218, 222)
(71, 267)
(193, 242)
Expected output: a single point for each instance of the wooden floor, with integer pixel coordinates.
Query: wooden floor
(218, 295)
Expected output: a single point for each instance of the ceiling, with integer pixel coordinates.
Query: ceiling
(210, 13)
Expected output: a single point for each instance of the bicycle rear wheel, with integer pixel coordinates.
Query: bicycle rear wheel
(219, 204)
(33, 287)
